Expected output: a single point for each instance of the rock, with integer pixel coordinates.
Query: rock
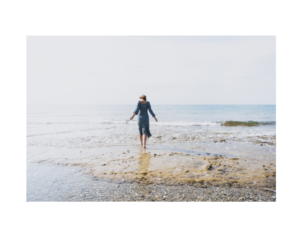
(103, 164)
(222, 140)
(215, 141)
(154, 154)
(124, 153)
(208, 167)
(261, 144)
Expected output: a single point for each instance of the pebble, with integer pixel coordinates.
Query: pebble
(101, 190)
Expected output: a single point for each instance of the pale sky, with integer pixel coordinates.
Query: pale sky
(91, 70)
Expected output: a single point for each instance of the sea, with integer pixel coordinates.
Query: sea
(108, 125)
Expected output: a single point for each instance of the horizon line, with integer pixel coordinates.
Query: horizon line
(151, 103)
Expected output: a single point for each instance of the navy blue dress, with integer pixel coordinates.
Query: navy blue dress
(143, 119)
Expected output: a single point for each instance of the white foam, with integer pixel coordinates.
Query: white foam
(124, 122)
(181, 123)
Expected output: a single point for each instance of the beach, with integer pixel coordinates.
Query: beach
(196, 153)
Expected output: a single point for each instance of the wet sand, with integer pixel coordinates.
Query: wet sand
(49, 182)
(222, 170)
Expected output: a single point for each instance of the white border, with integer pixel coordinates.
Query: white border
(150, 226)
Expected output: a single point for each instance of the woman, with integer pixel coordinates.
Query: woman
(143, 120)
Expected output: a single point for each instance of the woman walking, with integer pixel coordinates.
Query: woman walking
(143, 120)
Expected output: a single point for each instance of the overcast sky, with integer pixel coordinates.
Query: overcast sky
(169, 70)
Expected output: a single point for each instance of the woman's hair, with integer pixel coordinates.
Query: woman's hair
(143, 97)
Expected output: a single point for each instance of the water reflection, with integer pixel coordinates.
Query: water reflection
(144, 163)
(143, 174)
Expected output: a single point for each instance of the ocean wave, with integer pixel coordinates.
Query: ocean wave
(166, 123)
(124, 122)
(97, 122)
(180, 123)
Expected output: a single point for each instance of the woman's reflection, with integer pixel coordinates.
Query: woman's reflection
(144, 163)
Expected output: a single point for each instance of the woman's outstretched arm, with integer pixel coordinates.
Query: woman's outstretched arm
(152, 113)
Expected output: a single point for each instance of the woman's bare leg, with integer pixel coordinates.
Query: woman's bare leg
(145, 139)
(141, 139)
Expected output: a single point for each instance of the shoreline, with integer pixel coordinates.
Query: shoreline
(203, 171)
(84, 187)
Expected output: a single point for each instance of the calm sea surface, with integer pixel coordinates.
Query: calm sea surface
(165, 113)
